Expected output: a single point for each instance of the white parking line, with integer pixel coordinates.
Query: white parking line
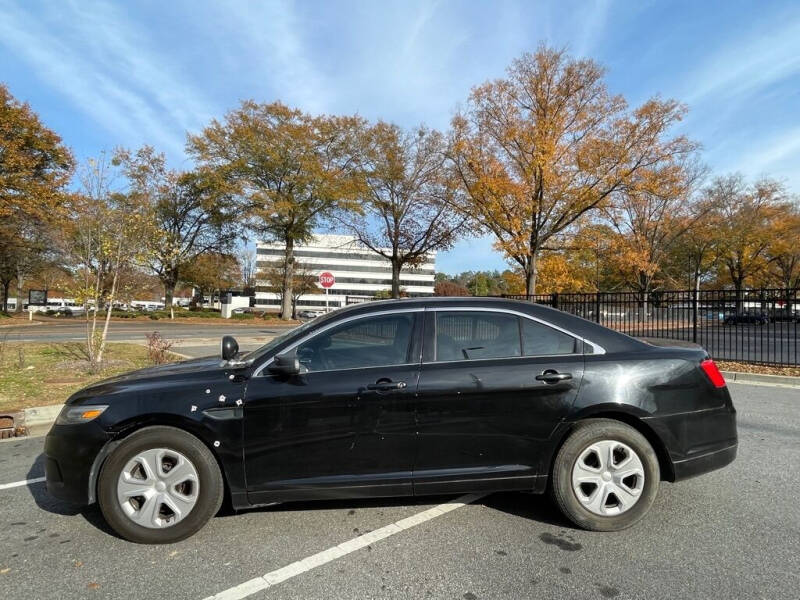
(304, 565)
(7, 486)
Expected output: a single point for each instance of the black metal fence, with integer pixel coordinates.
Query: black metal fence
(756, 326)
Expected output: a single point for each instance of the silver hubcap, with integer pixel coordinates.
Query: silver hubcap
(608, 478)
(158, 488)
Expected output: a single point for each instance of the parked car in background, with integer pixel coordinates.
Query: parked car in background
(783, 315)
(746, 318)
(310, 314)
(241, 310)
(413, 397)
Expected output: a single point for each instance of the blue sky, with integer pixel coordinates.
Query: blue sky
(105, 74)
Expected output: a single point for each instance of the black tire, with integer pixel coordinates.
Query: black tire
(211, 486)
(585, 434)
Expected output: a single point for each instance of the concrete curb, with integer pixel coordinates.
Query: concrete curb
(761, 379)
(39, 419)
(23, 324)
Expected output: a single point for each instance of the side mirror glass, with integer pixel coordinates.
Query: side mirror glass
(229, 348)
(286, 365)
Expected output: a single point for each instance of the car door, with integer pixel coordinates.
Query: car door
(493, 386)
(345, 427)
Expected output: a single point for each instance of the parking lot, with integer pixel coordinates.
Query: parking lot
(732, 533)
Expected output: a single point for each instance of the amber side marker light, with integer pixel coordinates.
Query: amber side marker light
(71, 415)
(713, 373)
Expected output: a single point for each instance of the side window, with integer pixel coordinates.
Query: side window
(539, 339)
(463, 335)
(369, 342)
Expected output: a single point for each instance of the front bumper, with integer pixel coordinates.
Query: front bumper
(71, 453)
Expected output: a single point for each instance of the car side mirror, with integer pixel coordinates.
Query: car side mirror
(229, 347)
(286, 365)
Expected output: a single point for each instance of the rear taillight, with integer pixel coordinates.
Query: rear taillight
(713, 373)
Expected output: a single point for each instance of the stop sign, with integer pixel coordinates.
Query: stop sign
(326, 279)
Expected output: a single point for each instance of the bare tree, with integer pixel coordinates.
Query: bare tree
(407, 210)
(110, 231)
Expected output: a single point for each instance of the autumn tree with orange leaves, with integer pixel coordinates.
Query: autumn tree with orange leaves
(751, 213)
(548, 143)
(651, 214)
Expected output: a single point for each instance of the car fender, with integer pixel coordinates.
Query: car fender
(225, 446)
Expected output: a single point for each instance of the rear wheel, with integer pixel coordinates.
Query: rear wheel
(605, 476)
(161, 485)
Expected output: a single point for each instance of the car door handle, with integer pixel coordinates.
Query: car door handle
(385, 386)
(553, 376)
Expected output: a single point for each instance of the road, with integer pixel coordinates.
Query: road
(776, 343)
(734, 533)
(190, 338)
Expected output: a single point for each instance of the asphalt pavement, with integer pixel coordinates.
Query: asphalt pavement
(190, 339)
(734, 533)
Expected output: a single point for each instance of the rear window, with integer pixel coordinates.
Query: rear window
(538, 339)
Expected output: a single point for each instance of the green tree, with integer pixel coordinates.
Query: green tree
(191, 215)
(291, 169)
(212, 272)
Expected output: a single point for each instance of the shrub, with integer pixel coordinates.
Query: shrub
(158, 348)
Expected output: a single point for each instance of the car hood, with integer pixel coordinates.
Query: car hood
(196, 365)
(195, 369)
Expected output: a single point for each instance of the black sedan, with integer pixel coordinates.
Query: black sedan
(398, 398)
(746, 319)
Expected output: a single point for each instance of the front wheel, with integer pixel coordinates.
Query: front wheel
(161, 485)
(605, 476)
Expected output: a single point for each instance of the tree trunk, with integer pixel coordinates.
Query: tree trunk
(286, 285)
(170, 280)
(530, 276)
(396, 277)
(20, 284)
(738, 284)
(6, 287)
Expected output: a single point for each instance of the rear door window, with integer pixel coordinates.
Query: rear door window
(468, 335)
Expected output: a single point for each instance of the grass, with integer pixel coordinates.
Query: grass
(41, 374)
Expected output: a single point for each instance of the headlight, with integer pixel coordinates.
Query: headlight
(70, 415)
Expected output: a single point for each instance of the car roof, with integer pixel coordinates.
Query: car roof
(610, 340)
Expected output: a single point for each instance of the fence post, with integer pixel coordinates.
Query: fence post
(554, 299)
(597, 307)
(694, 315)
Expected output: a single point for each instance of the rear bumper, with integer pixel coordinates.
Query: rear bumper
(698, 441)
(697, 465)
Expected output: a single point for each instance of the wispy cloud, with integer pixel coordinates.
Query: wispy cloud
(269, 37)
(743, 67)
(771, 155)
(101, 64)
(591, 26)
